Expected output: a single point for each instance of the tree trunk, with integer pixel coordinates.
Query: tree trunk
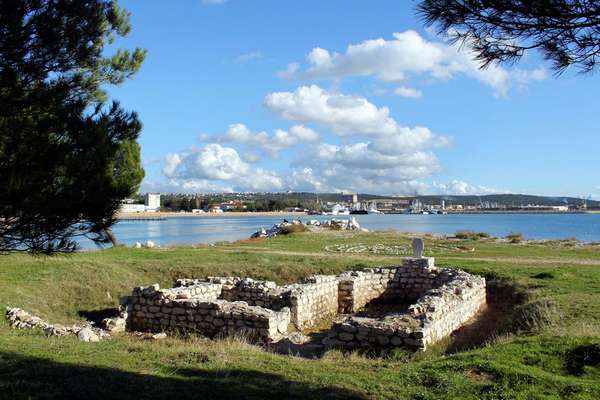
(111, 236)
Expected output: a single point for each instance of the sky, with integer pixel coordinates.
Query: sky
(347, 95)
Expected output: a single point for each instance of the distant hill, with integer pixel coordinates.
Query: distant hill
(509, 200)
(305, 198)
(501, 199)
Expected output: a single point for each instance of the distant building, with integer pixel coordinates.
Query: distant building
(215, 208)
(350, 197)
(152, 204)
(560, 208)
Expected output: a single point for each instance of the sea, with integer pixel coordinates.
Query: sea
(184, 230)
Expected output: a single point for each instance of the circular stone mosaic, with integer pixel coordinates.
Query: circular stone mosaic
(380, 248)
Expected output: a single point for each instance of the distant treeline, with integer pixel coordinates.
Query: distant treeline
(275, 202)
(312, 201)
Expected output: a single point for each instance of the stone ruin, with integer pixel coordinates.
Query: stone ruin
(438, 301)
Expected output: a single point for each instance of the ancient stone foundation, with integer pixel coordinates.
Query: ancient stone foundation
(444, 299)
(440, 299)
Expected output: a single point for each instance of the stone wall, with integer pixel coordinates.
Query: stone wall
(447, 299)
(314, 299)
(392, 284)
(442, 300)
(155, 310)
(254, 292)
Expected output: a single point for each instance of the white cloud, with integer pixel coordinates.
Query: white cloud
(324, 167)
(254, 55)
(406, 55)
(272, 144)
(290, 72)
(350, 115)
(250, 157)
(459, 187)
(215, 168)
(305, 180)
(210, 162)
(214, 2)
(405, 91)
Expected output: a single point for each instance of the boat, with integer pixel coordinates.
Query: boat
(373, 210)
(339, 210)
(358, 212)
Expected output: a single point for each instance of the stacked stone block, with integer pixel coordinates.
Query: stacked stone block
(443, 300)
(313, 300)
(156, 310)
(446, 300)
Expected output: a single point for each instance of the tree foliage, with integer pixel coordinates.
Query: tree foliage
(566, 31)
(67, 157)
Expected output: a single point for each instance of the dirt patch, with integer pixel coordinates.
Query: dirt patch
(503, 298)
(479, 330)
(378, 309)
(476, 375)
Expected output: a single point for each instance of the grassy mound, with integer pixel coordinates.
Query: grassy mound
(545, 348)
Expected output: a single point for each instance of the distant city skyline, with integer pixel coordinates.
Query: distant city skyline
(347, 96)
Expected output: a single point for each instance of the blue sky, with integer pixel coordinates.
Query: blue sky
(252, 95)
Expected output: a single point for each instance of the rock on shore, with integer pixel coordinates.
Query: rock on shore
(313, 225)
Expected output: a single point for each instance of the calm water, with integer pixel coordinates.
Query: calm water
(193, 230)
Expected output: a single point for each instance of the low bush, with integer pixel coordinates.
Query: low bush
(533, 316)
(515, 237)
(470, 235)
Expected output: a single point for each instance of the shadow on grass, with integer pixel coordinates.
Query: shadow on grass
(27, 377)
(98, 315)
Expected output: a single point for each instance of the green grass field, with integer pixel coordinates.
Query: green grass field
(556, 359)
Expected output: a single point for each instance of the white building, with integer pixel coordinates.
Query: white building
(152, 204)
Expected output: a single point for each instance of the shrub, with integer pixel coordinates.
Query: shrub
(470, 235)
(515, 237)
(534, 316)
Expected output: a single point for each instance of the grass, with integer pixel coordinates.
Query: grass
(549, 350)
(471, 235)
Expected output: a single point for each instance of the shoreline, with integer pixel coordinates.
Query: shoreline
(165, 215)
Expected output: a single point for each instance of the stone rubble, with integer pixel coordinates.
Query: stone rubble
(20, 319)
(334, 224)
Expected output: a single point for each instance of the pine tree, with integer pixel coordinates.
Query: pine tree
(67, 155)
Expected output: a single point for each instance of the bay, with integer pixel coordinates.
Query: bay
(187, 230)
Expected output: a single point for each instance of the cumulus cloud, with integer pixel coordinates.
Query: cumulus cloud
(459, 187)
(214, 167)
(272, 144)
(406, 55)
(350, 115)
(359, 167)
(324, 167)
